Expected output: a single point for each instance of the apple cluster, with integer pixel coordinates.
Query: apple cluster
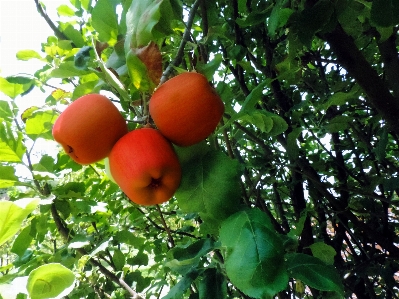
(143, 162)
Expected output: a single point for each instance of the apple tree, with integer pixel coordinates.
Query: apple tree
(294, 195)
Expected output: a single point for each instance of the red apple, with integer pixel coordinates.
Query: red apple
(89, 127)
(186, 109)
(145, 166)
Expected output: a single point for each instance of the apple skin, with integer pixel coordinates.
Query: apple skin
(186, 109)
(145, 166)
(88, 128)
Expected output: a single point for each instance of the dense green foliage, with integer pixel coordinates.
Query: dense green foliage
(294, 196)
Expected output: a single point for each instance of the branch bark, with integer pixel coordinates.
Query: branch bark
(66, 234)
(53, 27)
(186, 36)
(353, 60)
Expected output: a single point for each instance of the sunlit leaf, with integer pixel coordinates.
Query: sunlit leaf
(105, 21)
(12, 147)
(22, 242)
(137, 72)
(28, 54)
(49, 281)
(13, 89)
(65, 10)
(12, 215)
(151, 56)
(40, 124)
(148, 20)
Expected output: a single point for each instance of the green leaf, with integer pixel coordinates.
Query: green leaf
(5, 111)
(212, 285)
(82, 58)
(12, 216)
(323, 252)
(292, 146)
(384, 13)
(254, 254)
(340, 98)
(72, 34)
(13, 90)
(208, 69)
(278, 18)
(314, 273)
(67, 69)
(79, 241)
(65, 10)
(22, 242)
(182, 286)
(137, 72)
(381, 148)
(338, 123)
(311, 20)
(7, 176)
(12, 147)
(265, 121)
(140, 259)
(254, 97)
(183, 259)
(49, 281)
(210, 187)
(28, 54)
(41, 124)
(118, 258)
(105, 21)
(127, 237)
(148, 20)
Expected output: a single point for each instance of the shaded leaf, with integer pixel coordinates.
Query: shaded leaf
(184, 259)
(213, 285)
(313, 272)
(323, 252)
(254, 254)
(210, 187)
(384, 13)
(178, 290)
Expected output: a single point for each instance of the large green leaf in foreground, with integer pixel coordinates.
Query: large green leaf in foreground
(48, 281)
(254, 256)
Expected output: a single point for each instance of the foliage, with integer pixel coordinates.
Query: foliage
(295, 194)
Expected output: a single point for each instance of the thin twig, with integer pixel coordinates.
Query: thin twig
(186, 35)
(53, 27)
(167, 229)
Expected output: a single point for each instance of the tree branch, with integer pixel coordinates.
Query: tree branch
(66, 234)
(353, 60)
(186, 36)
(53, 27)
